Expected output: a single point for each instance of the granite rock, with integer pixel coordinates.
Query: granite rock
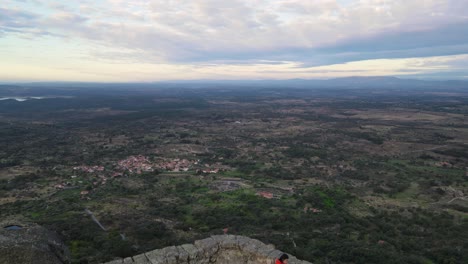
(222, 249)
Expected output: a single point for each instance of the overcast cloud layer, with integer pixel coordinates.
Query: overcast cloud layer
(152, 40)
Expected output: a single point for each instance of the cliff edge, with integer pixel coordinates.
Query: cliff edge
(221, 249)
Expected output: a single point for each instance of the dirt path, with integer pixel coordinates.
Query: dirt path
(95, 219)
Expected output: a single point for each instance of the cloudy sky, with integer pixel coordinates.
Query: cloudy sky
(153, 40)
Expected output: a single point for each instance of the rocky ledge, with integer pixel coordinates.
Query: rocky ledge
(27, 243)
(222, 249)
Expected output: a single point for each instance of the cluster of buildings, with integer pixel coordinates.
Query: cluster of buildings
(176, 165)
(213, 168)
(89, 169)
(101, 179)
(140, 163)
(136, 164)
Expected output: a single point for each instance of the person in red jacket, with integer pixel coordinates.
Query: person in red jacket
(283, 259)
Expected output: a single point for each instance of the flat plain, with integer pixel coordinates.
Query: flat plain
(330, 175)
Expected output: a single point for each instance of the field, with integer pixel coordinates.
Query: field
(329, 175)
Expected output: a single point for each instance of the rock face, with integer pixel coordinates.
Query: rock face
(22, 243)
(222, 249)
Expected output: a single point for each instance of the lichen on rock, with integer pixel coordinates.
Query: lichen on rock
(30, 244)
(220, 249)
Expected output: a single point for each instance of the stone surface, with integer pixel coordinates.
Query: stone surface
(118, 261)
(30, 245)
(222, 249)
(141, 259)
(128, 261)
(156, 256)
(183, 256)
(171, 254)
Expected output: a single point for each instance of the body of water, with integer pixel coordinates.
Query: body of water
(13, 227)
(21, 99)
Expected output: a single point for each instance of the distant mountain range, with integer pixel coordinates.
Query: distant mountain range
(345, 82)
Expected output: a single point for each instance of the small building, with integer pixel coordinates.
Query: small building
(267, 195)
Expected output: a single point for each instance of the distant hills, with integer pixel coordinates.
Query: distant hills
(345, 82)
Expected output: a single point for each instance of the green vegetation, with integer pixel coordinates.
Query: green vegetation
(372, 179)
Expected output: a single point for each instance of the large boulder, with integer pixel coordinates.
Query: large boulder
(222, 249)
(25, 243)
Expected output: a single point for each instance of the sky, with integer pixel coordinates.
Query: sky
(160, 40)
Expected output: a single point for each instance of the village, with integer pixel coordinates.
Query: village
(317, 166)
(99, 175)
(91, 177)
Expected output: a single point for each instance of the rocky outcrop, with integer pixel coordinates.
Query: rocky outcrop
(222, 249)
(23, 243)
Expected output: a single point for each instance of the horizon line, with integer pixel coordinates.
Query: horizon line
(232, 80)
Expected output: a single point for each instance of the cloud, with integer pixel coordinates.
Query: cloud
(307, 33)
(440, 67)
(14, 18)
